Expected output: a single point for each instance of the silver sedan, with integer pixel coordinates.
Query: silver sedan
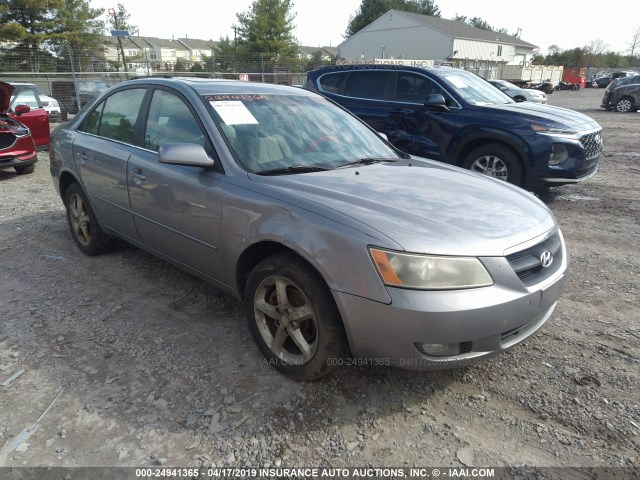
(338, 245)
(520, 94)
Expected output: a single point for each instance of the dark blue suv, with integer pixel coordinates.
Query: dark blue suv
(457, 117)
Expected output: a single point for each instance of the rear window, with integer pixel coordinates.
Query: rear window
(371, 84)
(331, 82)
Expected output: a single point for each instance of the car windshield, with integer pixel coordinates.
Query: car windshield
(474, 89)
(282, 134)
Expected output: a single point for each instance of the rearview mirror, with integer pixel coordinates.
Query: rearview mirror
(190, 154)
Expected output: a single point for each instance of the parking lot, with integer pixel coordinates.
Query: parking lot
(127, 361)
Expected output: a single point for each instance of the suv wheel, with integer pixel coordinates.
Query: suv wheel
(625, 104)
(293, 318)
(496, 161)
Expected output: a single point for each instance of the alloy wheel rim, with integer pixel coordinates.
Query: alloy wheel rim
(624, 105)
(491, 166)
(79, 219)
(286, 320)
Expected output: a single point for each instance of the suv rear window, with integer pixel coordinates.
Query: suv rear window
(331, 82)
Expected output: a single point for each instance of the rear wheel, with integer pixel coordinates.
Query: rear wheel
(625, 104)
(496, 161)
(293, 318)
(85, 230)
(23, 170)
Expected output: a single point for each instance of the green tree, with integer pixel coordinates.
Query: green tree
(267, 27)
(30, 23)
(79, 32)
(370, 10)
(478, 22)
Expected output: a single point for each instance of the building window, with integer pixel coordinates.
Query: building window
(173, 53)
(499, 50)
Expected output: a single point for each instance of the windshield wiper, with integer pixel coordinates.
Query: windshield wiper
(293, 169)
(369, 161)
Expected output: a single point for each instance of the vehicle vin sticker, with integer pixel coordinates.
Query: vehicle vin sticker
(233, 112)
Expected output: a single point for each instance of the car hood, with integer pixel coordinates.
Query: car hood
(559, 117)
(424, 206)
(5, 97)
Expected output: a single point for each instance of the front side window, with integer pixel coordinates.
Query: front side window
(414, 88)
(116, 117)
(26, 97)
(170, 121)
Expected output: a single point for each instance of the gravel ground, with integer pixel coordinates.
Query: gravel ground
(127, 361)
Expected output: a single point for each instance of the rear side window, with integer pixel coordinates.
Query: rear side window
(116, 117)
(332, 82)
(367, 84)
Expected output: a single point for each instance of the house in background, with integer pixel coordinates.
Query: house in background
(198, 49)
(326, 53)
(404, 35)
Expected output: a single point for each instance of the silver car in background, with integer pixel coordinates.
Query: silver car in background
(338, 245)
(519, 94)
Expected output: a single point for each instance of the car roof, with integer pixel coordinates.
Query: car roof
(436, 70)
(208, 86)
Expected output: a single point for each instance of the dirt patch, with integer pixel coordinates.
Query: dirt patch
(135, 363)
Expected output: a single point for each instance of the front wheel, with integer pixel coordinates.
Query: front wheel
(497, 161)
(293, 318)
(84, 226)
(625, 105)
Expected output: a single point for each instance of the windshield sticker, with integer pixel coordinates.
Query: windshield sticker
(233, 112)
(457, 82)
(244, 98)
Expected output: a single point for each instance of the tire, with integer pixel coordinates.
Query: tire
(85, 230)
(496, 161)
(25, 169)
(625, 105)
(284, 286)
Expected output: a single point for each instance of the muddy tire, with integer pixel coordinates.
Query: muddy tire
(24, 170)
(85, 230)
(294, 319)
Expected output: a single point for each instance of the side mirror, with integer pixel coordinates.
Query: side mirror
(436, 101)
(189, 154)
(20, 109)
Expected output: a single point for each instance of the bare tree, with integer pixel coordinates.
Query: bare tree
(635, 42)
(594, 51)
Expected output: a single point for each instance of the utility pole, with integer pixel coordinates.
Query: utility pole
(114, 14)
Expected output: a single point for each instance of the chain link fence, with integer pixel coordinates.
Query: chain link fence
(75, 82)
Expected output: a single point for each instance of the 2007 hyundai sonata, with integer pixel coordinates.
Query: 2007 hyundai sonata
(338, 245)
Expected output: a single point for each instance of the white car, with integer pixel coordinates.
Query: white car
(41, 99)
(519, 94)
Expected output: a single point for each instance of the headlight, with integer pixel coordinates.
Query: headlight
(427, 272)
(559, 154)
(551, 131)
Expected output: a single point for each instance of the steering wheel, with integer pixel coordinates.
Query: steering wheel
(321, 143)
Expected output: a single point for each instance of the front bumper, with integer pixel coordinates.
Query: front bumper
(475, 323)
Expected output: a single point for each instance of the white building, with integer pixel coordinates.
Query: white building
(404, 35)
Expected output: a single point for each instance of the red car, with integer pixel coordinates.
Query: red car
(23, 131)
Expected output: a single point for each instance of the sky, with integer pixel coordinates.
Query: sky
(568, 24)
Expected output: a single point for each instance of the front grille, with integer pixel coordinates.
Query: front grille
(527, 263)
(592, 143)
(7, 140)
